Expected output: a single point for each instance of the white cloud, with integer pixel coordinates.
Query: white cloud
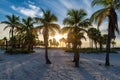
(3, 33)
(66, 4)
(30, 2)
(88, 7)
(31, 11)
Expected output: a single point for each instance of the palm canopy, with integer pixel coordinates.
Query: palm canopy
(76, 21)
(27, 26)
(93, 33)
(48, 20)
(12, 22)
(107, 3)
(108, 11)
(76, 18)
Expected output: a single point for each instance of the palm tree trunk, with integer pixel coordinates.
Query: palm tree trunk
(101, 46)
(95, 44)
(12, 38)
(110, 35)
(45, 35)
(76, 55)
(6, 44)
(107, 63)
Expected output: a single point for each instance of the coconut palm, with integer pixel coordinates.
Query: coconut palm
(75, 22)
(109, 11)
(6, 42)
(49, 28)
(27, 28)
(94, 34)
(12, 22)
(113, 43)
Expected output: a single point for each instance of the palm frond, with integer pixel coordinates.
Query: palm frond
(85, 23)
(51, 31)
(101, 2)
(55, 27)
(6, 27)
(100, 15)
(6, 22)
(66, 29)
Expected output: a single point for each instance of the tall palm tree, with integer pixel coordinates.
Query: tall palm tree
(5, 42)
(94, 34)
(49, 28)
(113, 43)
(12, 22)
(75, 22)
(109, 11)
(27, 28)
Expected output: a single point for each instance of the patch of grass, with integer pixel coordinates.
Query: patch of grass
(18, 51)
(90, 50)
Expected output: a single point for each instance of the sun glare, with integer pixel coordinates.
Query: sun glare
(58, 37)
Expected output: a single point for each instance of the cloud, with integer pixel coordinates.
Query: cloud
(31, 11)
(30, 2)
(88, 7)
(3, 33)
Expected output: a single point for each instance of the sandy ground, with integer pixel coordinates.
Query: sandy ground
(33, 67)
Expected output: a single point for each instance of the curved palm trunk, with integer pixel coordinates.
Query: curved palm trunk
(111, 32)
(95, 44)
(13, 44)
(101, 46)
(107, 63)
(76, 55)
(45, 35)
(6, 44)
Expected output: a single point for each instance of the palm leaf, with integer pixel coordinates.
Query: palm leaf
(66, 29)
(100, 15)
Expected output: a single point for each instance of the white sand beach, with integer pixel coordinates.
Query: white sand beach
(33, 67)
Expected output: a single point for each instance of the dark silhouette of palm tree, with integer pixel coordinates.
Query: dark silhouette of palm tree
(49, 28)
(108, 10)
(94, 34)
(27, 28)
(113, 43)
(75, 22)
(12, 22)
(6, 42)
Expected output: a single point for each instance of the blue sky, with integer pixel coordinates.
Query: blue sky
(31, 8)
(25, 8)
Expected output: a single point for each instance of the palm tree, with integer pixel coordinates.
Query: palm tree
(50, 42)
(94, 34)
(49, 28)
(75, 22)
(27, 28)
(113, 43)
(109, 11)
(6, 42)
(12, 22)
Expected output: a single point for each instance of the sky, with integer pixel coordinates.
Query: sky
(25, 8)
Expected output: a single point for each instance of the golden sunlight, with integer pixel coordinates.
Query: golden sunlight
(58, 37)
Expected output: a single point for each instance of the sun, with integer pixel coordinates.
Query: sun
(58, 37)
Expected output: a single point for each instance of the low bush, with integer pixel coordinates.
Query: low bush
(18, 51)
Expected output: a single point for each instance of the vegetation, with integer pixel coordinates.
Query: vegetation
(24, 36)
(75, 24)
(108, 10)
(48, 28)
